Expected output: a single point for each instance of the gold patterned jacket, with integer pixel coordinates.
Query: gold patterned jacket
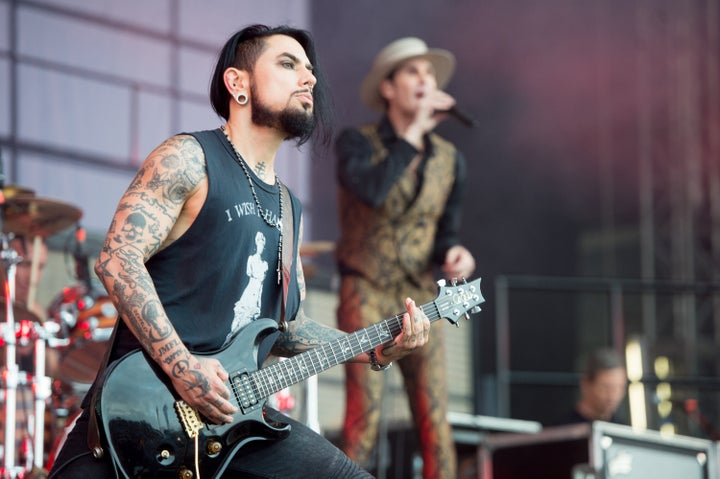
(391, 238)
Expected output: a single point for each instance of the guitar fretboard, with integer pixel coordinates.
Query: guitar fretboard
(291, 371)
(250, 388)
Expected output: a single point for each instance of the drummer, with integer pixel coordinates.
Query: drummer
(25, 283)
(25, 247)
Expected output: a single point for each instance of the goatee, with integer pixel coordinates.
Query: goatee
(294, 123)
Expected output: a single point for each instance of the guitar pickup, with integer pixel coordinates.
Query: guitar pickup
(189, 418)
(244, 392)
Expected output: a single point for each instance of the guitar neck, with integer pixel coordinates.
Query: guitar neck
(291, 371)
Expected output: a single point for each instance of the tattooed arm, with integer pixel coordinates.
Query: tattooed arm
(304, 334)
(157, 208)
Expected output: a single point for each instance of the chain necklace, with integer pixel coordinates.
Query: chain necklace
(240, 161)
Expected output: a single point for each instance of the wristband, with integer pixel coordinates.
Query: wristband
(374, 364)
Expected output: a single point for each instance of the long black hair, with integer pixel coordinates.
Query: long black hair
(243, 49)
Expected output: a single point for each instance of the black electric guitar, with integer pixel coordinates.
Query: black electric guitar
(151, 433)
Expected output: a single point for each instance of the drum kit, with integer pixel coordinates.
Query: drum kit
(68, 344)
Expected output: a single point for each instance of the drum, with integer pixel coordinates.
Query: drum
(87, 322)
(89, 340)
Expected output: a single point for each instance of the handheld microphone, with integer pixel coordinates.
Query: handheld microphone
(461, 116)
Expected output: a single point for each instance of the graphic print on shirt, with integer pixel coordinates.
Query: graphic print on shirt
(247, 308)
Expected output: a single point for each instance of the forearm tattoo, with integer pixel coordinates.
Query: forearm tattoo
(304, 334)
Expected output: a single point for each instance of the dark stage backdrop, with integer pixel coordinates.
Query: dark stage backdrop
(551, 84)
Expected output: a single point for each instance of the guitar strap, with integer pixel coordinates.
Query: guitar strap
(93, 438)
(287, 252)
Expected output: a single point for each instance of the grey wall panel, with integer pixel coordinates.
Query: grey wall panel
(4, 97)
(152, 125)
(92, 47)
(4, 27)
(215, 21)
(65, 111)
(92, 190)
(195, 69)
(155, 14)
(195, 116)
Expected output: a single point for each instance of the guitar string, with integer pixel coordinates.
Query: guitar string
(276, 370)
(264, 386)
(296, 376)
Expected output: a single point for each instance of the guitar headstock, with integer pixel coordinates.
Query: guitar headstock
(458, 300)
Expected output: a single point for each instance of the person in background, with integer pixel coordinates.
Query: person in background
(25, 248)
(603, 387)
(175, 260)
(400, 197)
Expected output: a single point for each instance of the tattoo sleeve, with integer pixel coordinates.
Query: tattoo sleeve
(147, 220)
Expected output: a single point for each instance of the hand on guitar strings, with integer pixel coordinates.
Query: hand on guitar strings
(202, 384)
(415, 333)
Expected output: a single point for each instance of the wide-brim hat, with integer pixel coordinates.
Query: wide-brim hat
(390, 57)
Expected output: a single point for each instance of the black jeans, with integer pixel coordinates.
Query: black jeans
(303, 454)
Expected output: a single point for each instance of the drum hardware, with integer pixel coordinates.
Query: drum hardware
(42, 391)
(22, 213)
(36, 389)
(10, 259)
(93, 319)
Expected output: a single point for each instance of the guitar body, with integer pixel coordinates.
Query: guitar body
(145, 435)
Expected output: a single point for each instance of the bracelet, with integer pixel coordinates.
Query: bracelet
(374, 364)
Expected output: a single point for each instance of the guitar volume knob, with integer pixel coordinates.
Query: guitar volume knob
(214, 447)
(185, 473)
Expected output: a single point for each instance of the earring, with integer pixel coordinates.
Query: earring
(240, 98)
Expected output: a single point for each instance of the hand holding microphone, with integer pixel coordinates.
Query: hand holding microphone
(455, 112)
(461, 116)
(432, 107)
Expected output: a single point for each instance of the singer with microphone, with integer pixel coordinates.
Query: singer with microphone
(400, 190)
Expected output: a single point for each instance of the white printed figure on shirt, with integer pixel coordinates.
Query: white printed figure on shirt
(247, 308)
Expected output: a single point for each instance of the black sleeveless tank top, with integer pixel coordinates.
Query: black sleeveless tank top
(221, 274)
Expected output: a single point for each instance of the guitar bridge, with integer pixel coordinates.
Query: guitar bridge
(189, 418)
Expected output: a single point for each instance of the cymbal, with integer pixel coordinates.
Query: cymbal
(11, 191)
(20, 312)
(35, 216)
(313, 248)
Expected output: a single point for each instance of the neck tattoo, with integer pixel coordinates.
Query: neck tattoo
(240, 161)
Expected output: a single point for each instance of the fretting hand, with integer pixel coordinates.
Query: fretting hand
(415, 333)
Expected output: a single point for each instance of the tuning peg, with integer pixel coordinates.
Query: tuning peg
(475, 310)
(454, 282)
(467, 316)
(441, 282)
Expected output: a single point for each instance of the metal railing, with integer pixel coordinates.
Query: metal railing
(671, 312)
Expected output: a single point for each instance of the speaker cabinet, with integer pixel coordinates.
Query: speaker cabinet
(618, 452)
(596, 451)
